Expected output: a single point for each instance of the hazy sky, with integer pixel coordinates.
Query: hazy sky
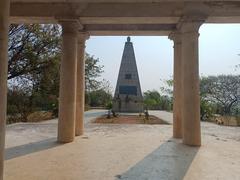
(219, 49)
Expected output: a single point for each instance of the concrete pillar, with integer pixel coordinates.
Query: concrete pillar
(190, 82)
(177, 86)
(80, 99)
(4, 24)
(68, 79)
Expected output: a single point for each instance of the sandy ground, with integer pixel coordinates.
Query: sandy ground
(132, 152)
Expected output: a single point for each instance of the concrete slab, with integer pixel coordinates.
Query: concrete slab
(121, 152)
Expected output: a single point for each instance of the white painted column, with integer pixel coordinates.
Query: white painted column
(177, 86)
(80, 99)
(68, 79)
(4, 25)
(190, 82)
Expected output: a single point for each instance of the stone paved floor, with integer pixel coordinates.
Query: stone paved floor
(132, 152)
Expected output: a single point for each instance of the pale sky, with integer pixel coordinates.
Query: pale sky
(219, 49)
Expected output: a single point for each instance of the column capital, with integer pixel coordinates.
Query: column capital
(191, 23)
(70, 25)
(175, 36)
(83, 36)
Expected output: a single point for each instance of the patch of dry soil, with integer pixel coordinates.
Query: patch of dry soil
(130, 119)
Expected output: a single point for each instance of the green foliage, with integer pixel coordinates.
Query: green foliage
(167, 88)
(33, 69)
(34, 63)
(206, 110)
(150, 103)
(92, 72)
(153, 100)
(18, 104)
(218, 94)
(109, 105)
(99, 98)
(166, 103)
(30, 48)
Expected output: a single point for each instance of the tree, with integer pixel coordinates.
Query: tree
(33, 68)
(207, 109)
(34, 63)
(31, 48)
(18, 103)
(101, 97)
(162, 100)
(222, 90)
(152, 99)
(167, 97)
(167, 89)
(92, 72)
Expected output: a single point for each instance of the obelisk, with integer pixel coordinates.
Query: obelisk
(128, 96)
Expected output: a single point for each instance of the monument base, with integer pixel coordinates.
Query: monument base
(130, 107)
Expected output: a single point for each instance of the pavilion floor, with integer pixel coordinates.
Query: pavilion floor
(133, 152)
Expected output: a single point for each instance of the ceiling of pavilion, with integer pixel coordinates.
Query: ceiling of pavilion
(123, 17)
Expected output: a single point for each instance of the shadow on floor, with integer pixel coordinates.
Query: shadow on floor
(25, 149)
(170, 161)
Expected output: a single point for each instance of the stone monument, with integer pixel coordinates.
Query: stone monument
(128, 96)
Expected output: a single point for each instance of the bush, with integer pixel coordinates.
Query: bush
(109, 105)
(206, 110)
(39, 116)
(154, 101)
(99, 98)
